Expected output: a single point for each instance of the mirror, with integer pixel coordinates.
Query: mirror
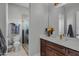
(61, 23)
(56, 18)
(68, 20)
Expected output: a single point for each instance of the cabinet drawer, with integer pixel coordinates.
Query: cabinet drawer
(52, 52)
(59, 48)
(59, 54)
(72, 52)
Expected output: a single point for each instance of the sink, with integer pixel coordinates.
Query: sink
(72, 43)
(58, 40)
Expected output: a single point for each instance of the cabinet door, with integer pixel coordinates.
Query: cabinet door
(71, 52)
(43, 47)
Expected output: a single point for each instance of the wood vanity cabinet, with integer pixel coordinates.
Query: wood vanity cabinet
(53, 49)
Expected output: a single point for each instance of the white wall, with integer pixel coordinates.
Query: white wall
(77, 24)
(3, 18)
(38, 23)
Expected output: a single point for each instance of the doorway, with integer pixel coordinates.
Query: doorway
(18, 22)
(25, 32)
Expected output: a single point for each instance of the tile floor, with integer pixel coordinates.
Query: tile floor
(19, 53)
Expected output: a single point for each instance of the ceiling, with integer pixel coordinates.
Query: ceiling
(26, 5)
(59, 4)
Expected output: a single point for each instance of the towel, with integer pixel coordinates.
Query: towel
(70, 31)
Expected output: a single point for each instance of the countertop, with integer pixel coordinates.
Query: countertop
(72, 43)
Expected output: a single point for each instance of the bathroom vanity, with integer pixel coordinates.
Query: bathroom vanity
(59, 47)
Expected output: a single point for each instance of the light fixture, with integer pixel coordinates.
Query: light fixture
(59, 4)
(56, 4)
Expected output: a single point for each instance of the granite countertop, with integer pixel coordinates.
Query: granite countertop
(72, 43)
